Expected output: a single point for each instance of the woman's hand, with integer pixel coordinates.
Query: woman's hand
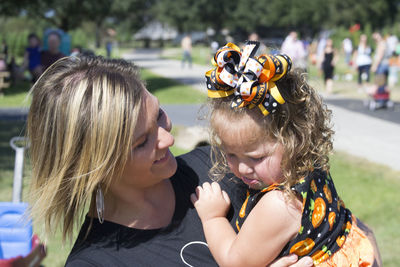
(291, 261)
(210, 201)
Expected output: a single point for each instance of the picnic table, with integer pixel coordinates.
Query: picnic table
(3, 76)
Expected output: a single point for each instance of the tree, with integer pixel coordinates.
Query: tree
(70, 14)
(306, 16)
(195, 15)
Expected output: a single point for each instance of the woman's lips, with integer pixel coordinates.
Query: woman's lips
(163, 159)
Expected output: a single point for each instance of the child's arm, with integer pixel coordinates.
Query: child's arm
(270, 225)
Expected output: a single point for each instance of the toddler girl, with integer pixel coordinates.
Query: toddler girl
(272, 130)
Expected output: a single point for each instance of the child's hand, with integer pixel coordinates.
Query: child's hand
(210, 201)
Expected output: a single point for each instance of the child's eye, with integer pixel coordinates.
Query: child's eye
(257, 158)
(229, 155)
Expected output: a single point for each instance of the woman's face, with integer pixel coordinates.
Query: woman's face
(151, 161)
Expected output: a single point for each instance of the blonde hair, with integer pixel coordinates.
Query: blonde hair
(80, 126)
(301, 125)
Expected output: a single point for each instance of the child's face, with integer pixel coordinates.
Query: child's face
(256, 162)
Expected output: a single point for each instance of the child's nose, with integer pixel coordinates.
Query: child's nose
(244, 168)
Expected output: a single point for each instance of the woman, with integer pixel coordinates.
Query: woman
(328, 63)
(99, 138)
(363, 60)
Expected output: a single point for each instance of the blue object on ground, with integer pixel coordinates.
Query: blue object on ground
(15, 230)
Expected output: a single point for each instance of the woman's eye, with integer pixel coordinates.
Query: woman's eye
(160, 113)
(142, 144)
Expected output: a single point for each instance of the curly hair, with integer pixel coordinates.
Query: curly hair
(302, 125)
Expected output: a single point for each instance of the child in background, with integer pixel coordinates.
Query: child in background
(32, 57)
(272, 130)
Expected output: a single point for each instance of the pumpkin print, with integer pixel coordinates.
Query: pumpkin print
(237, 225)
(242, 212)
(313, 186)
(323, 230)
(348, 226)
(331, 219)
(319, 212)
(303, 247)
(340, 240)
(320, 255)
(328, 193)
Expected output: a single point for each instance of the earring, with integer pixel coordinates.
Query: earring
(100, 204)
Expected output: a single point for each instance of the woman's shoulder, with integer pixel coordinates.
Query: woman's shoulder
(85, 251)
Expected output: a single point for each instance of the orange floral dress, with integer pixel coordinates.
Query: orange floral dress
(328, 232)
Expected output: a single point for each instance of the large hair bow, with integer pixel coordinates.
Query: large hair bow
(251, 79)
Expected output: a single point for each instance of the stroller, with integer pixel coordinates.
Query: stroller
(18, 246)
(380, 96)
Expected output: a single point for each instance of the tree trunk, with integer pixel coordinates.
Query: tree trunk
(98, 34)
(64, 24)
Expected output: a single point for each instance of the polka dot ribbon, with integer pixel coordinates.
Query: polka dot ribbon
(249, 78)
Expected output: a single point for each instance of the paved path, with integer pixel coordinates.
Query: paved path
(150, 59)
(371, 135)
(13, 114)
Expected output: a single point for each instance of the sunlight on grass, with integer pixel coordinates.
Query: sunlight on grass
(169, 91)
(15, 96)
(371, 191)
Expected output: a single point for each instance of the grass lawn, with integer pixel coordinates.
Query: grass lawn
(15, 96)
(201, 55)
(371, 191)
(169, 91)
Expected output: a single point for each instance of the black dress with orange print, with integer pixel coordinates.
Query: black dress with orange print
(325, 221)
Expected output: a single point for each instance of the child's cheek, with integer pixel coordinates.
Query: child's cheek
(233, 168)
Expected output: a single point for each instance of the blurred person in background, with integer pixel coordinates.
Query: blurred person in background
(32, 57)
(362, 61)
(48, 57)
(392, 43)
(4, 50)
(295, 49)
(380, 63)
(262, 49)
(186, 45)
(347, 46)
(328, 62)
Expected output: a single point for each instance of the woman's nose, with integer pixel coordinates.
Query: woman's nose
(168, 123)
(165, 138)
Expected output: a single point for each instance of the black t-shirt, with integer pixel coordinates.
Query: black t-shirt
(182, 243)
